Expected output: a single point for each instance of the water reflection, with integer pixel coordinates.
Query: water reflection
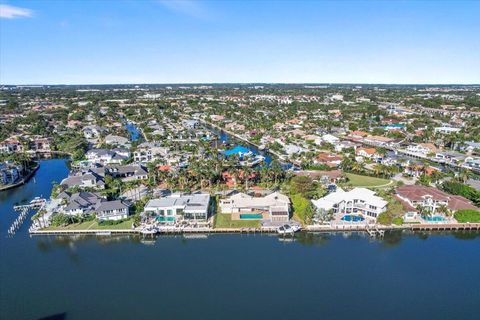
(58, 316)
(390, 240)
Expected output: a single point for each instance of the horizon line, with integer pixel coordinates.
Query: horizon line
(241, 83)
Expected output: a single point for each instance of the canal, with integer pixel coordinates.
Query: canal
(133, 131)
(317, 276)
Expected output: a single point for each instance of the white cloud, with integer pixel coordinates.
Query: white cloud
(191, 8)
(11, 12)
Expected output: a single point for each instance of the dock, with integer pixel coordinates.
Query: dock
(446, 227)
(374, 231)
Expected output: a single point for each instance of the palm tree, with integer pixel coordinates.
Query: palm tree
(358, 167)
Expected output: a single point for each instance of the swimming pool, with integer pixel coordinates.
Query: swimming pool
(434, 218)
(352, 218)
(251, 216)
(165, 219)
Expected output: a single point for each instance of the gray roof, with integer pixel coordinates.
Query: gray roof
(112, 205)
(101, 152)
(133, 169)
(76, 180)
(189, 202)
(83, 200)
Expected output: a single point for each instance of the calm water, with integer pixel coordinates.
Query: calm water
(133, 131)
(233, 276)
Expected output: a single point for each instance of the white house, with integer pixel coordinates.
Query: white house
(104, 156)
(446, 130)
(148, 152)
(422, 148)
(178, 207)
(359, 201)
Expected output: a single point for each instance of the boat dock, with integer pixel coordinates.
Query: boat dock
(446, 227)
(24, 210)
(375, 231)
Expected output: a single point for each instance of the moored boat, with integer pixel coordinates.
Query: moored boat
(288, 229)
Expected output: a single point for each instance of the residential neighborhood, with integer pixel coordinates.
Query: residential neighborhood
(249, 157)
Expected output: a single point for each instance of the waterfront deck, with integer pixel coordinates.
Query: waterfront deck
(371, 230)
(446, 227)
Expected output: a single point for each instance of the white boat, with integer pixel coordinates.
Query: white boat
(37, 202)
(149, 230)
(103, 233)
(288, 229)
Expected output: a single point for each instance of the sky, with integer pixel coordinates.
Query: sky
(155, 41)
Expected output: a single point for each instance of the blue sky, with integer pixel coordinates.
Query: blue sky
(96, 42)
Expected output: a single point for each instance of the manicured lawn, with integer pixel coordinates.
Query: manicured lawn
(93, 225)
(223, 220)
(301, 212)
(356, 180)
(464, 216)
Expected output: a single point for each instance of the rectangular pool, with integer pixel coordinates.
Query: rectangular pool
(251, 216)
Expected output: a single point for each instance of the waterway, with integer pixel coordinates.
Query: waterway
(229, 139)
(316, 276)
(133, 131)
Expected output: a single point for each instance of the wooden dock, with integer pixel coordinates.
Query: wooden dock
(373, 231)
(162, 231)
(445, 227)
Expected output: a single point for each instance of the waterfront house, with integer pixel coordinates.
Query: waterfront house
(274, 207)
(9, 173)
(179, 207)
(80, 203)
(112, 210)
(358, 202)
(430, 199)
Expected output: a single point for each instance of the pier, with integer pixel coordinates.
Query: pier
(374, 231)
(446, 227)
(24, 210)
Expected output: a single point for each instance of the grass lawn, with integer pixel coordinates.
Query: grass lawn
(300, 211)
(464, 216)
(356, 180)
(223, 220)
(93, 225)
